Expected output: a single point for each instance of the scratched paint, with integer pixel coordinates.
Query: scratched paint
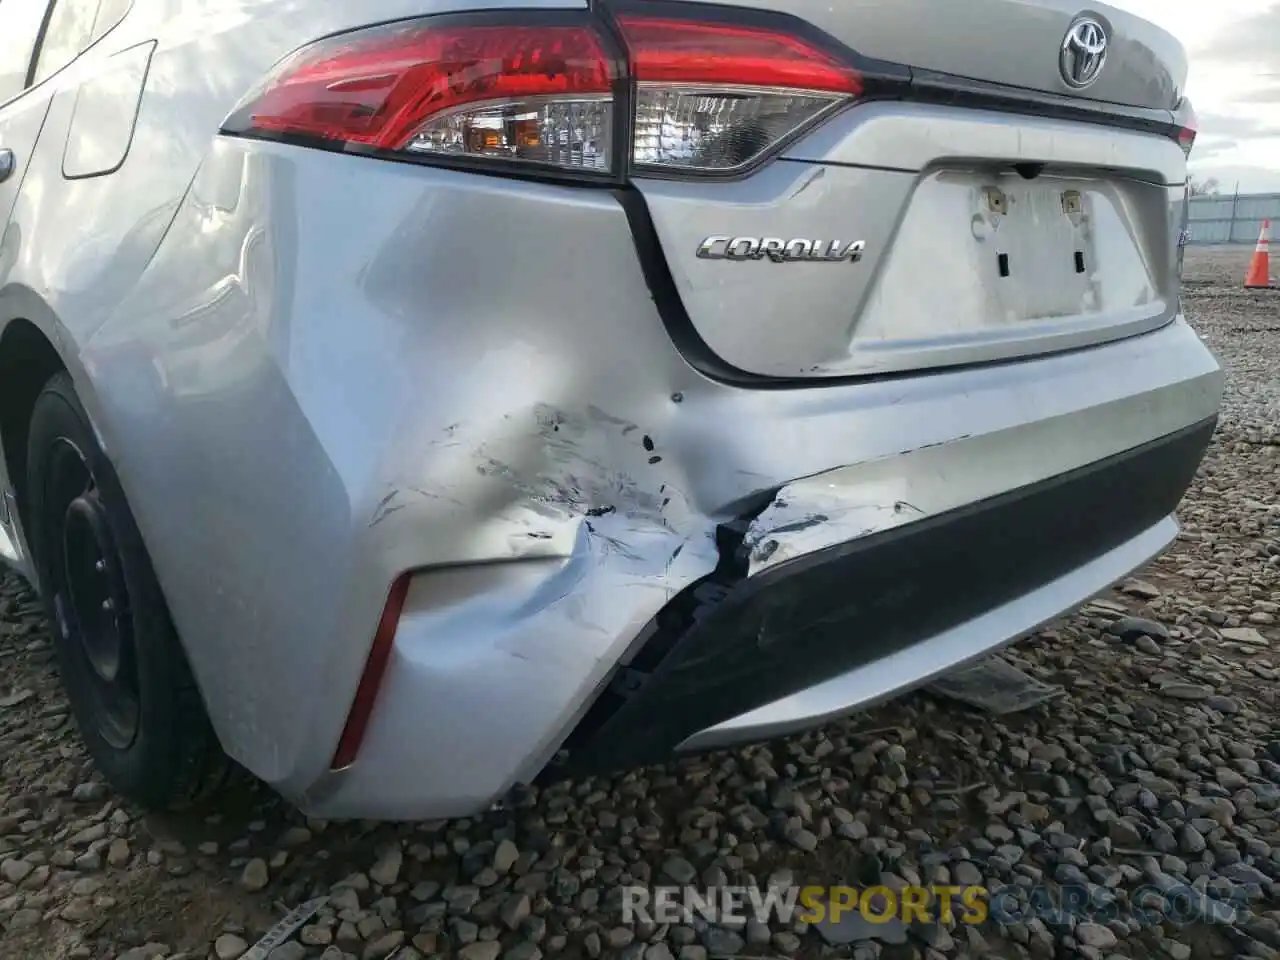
(819, 512)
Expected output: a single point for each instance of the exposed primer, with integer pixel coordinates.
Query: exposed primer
(820, 512)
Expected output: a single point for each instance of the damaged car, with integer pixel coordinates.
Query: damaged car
(410, 400)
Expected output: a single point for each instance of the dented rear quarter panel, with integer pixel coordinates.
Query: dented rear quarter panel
(322, 396)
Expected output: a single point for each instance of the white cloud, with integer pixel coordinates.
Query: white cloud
(1234, 84)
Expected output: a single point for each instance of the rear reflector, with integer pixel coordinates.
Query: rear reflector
(552, 90)
(371, 680)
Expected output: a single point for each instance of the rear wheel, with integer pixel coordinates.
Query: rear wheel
(131, 689)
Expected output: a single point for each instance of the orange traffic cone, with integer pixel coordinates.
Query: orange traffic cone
(1259, 275)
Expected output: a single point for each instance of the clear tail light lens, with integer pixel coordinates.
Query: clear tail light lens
(717, 96)
(720, 130)
(570, 133)
(550, 90)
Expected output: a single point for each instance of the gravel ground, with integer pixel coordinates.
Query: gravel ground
(1159, 767)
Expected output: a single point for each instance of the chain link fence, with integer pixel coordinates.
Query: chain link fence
(1232, 218)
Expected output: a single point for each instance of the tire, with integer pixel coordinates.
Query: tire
(135, 700)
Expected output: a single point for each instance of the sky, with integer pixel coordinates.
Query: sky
(1234, 85)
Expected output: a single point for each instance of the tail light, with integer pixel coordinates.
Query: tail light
(540, 94)
(560, 92)
(717, 96)
(1186, 125)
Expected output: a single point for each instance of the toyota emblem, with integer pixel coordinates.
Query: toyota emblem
(1084, 50)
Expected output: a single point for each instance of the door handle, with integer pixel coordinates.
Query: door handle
(7, 165)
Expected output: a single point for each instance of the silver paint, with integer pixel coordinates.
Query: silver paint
(315, 372)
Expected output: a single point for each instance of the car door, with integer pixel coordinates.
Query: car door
(37, 38)
(21, 24)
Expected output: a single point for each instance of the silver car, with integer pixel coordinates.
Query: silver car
(407, 401)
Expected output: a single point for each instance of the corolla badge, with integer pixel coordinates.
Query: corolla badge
(778, 250)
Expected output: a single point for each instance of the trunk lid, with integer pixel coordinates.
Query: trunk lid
(989, 231)
(1010, 42)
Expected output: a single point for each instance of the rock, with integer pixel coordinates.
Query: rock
(24, 919)
(1146, 645)
(1230, 779)
(1246, 635)
(1124, 833)
(722, 943)
(504, 856)
(1140, 588)
(15, 871)
(1190, 840)
(514, 910)
(387, 870)
(255, 876)
(315, 935)
(295, 837)
(148, 951)
(758, 932)
(679, 870)
(88, 835)
(89, 792)
(384, 945)
(79, 910)
(619, 937)
(480, 950)
(15, 698)
(118, 852)
(802, 839)
(1095, 935)
(524, 950)
(786, 943)
(1131, 628)
(229, 947)
(1185, 691)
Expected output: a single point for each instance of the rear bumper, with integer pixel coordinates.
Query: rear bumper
(598, 661)
(855, 622)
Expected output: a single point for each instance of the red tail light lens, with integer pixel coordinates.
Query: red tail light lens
(1186, 139)
(532, 93)
(708, 96)
(1187, 125)
(673, 51)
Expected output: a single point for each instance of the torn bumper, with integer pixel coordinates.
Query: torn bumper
(875, 602)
